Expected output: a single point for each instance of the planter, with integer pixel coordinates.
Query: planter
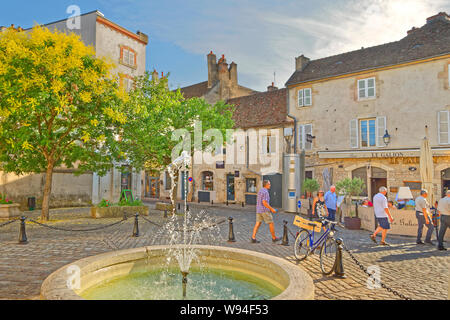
(8, 211)
(118, 211)
(352, 223)
(163, 206)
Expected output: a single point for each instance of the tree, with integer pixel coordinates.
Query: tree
(58, 105)
(349, 188)
(310, 185)
(147, 140)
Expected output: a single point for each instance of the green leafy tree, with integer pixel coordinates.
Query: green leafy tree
(147, 140)
(58, 106)
(310, 185)
(349, 188)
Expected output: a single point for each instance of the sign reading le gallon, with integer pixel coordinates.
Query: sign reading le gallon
(387, 154)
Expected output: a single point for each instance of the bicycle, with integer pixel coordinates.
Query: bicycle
(305, 245)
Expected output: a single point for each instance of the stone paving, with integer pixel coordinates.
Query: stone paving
(418, 272)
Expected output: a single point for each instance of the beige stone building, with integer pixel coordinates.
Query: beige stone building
(368, 110)
(127, 50)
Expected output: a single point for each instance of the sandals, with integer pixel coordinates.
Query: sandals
(385, 244)
(373, 238)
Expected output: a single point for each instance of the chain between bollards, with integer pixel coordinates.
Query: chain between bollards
(230, 230)
(285, 240)
(22, 232)
(136, 226)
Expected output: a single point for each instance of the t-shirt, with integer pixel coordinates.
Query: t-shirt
(422, 203)
(263, 194)
(330, 200)
(444, 206)
(379, 204)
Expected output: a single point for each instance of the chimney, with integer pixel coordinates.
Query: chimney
(155, 75)
(233, 74)
(440, 16)
(412, 30)
(301, 62)
(272, 87)
(212, 69)
(142, 36)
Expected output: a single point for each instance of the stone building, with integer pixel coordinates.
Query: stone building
(369, 109)
(127, 50)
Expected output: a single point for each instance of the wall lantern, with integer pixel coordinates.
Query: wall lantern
(386, 138)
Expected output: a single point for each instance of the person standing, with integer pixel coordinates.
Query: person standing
(331, 204)
(319, 204)
(423, 217)
(444, 211)
(264, 212)
(383, 216)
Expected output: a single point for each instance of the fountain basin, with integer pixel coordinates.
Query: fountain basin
(293, 282)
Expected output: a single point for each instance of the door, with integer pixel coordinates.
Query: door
(445, 181)
(230, 187)
(379, 179)
(125, 181)
(152, 187)
(275, 191)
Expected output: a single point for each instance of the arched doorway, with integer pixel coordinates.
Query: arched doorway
(445, 181)
(373, 177)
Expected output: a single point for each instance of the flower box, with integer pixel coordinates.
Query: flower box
(8, 211)
(118, 211)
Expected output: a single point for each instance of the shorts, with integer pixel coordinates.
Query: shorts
(265, 216)
(384, 223)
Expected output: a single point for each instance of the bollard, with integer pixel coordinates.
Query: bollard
(243, 205)
(136, 226)
(227, 202)
(212, 202)
(198, 200)
(179, 206)
(230, 230)
(22, 232)
(338, 265)
(187, 207)
(285, 240)
(124, 215)
(165, 213)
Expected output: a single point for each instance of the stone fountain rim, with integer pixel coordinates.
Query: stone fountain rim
(300, 286)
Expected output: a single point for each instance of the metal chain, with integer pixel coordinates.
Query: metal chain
(9, 222)
(365, 271)
(75, 230)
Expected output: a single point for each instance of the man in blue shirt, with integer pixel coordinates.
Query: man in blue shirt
(330, 203)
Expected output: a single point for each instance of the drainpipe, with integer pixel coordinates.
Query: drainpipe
(295, 122)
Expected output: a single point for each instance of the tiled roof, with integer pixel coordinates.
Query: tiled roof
(261, 109)
(433, 39)
(195, 90)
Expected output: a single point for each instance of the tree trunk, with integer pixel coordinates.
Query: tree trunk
(47, 192)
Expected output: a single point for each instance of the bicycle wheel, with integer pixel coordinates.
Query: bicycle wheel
(302, 245)
(328, 254)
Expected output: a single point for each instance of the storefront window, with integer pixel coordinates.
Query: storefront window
(251, 185)
(207, 181)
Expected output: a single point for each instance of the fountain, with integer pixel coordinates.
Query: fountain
(219, 272)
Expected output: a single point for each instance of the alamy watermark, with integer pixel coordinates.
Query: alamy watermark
(74, 20)
(374, 280)
(74, 277)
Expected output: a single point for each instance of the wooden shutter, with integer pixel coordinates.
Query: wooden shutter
(443, 127)
(300, 98)
(308, 130)
(301, 136)
(380, 131)
(354, 133)
(307, 97)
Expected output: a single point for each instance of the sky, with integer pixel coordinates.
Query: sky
(262, 36)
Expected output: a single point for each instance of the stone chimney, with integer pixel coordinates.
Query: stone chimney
(440, 16)
(222, 68)
(212, 69)
(143, 37)
(233, 74)
(412, 30)
(272, 87)
(301, 62)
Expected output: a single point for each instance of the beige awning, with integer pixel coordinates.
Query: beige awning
(426, 169)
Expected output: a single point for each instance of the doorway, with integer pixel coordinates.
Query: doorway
(125, 181)
(275, 191)
(378, 179)
(230, 187)
(152, 187)
(445, 181)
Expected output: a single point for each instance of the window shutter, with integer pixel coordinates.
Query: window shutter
(443, 127)
(301, 135)
(354, 133)
(272, 145)
(380, 129)
(264, 145)
(361, 89)
(371, 87)
(300, 98)
(308, 130)
(307, 97)
(131, 62)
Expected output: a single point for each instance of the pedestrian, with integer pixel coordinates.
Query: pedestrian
(331, 204)
(264, 212)
(444, 211)
(383, 216)
(401, 203)
(423, 217)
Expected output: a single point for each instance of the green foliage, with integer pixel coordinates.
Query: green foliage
(4, 199)
(104, 203)
(310, 185)
(122, 203)
(350, 187)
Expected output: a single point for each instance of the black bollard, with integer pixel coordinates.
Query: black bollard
(338, 265)
(230, 230)
(285, 240)
(243, 205)
(227, 202)
(198, 200)
(179, 206)
(187, 207)
(124, 215)
(22, 232)
(165, 213)
(212, 202)
(136, 226)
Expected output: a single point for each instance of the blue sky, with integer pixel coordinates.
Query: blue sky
(261, 36)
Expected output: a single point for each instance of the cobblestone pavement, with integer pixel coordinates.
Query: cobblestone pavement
(418, 272)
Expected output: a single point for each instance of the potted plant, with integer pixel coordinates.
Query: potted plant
(309, 186)
(349, 188)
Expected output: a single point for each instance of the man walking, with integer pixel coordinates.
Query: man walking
(444, 211)
(423, 217)
(330, 203)
(382, 214)
(264, 212)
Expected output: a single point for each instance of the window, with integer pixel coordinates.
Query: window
(304, 97)
(167, 181)
(366, 88)
(127, 56)
(250, 185)
(268, 144)
(207, 181)
(367, 132)
(443, 127)
(303, 131)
